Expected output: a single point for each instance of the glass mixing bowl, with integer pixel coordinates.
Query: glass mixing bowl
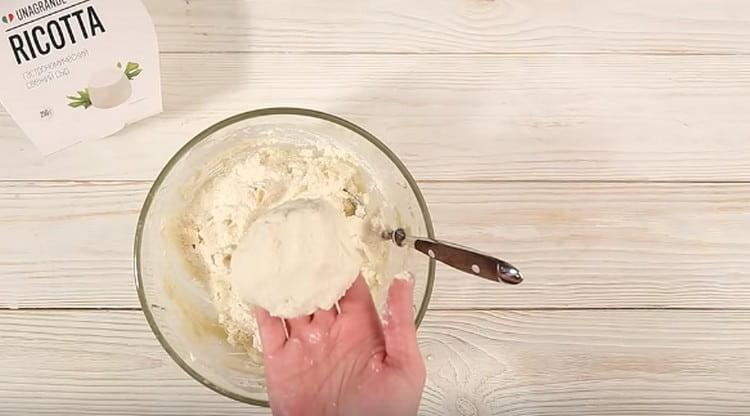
(177, 306)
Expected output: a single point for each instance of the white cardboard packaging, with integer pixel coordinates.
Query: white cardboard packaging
(74, 70)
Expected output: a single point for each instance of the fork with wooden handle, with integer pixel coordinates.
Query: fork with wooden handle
(461, 258)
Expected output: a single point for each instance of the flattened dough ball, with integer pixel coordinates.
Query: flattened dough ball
(295, 259)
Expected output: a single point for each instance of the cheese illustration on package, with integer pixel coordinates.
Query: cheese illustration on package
(108, 87)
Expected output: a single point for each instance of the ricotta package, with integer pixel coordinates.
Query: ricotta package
(74, 70)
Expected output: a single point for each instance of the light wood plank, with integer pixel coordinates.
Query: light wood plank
(68, 241)
(580, 245)
(521, 117)
(479, 363)
(458, 26)
(95, 363)
(600, 245)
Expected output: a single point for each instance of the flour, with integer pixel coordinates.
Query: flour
(230, 194)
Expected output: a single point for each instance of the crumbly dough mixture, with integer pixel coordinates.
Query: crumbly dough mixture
(231, 193)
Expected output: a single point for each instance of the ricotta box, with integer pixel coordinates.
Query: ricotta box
(74, 70)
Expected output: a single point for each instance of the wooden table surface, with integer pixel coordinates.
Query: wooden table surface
(601, 145)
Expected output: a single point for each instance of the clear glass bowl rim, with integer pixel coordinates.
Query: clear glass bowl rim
(289, 111)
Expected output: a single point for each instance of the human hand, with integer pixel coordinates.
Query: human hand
(346, 364)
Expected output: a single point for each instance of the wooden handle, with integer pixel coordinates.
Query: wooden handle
(469, 261)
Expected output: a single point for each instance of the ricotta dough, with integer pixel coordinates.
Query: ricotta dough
(250, 188)
(295, 259)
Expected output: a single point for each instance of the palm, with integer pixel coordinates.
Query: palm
(344, 364)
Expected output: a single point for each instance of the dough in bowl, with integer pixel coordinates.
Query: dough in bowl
(284, 226)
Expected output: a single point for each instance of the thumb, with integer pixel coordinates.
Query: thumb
(398, 326)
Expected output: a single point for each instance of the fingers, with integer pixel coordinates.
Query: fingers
(272, 334)
(297, 326)
(324, 318)
(357, 297)
(398, 326)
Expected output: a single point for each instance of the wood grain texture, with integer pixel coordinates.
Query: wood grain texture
(95, 363)
(520, 117)
(455, 26)
(479, 363)
(579, 245)
(68, 241)
(560, 135)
